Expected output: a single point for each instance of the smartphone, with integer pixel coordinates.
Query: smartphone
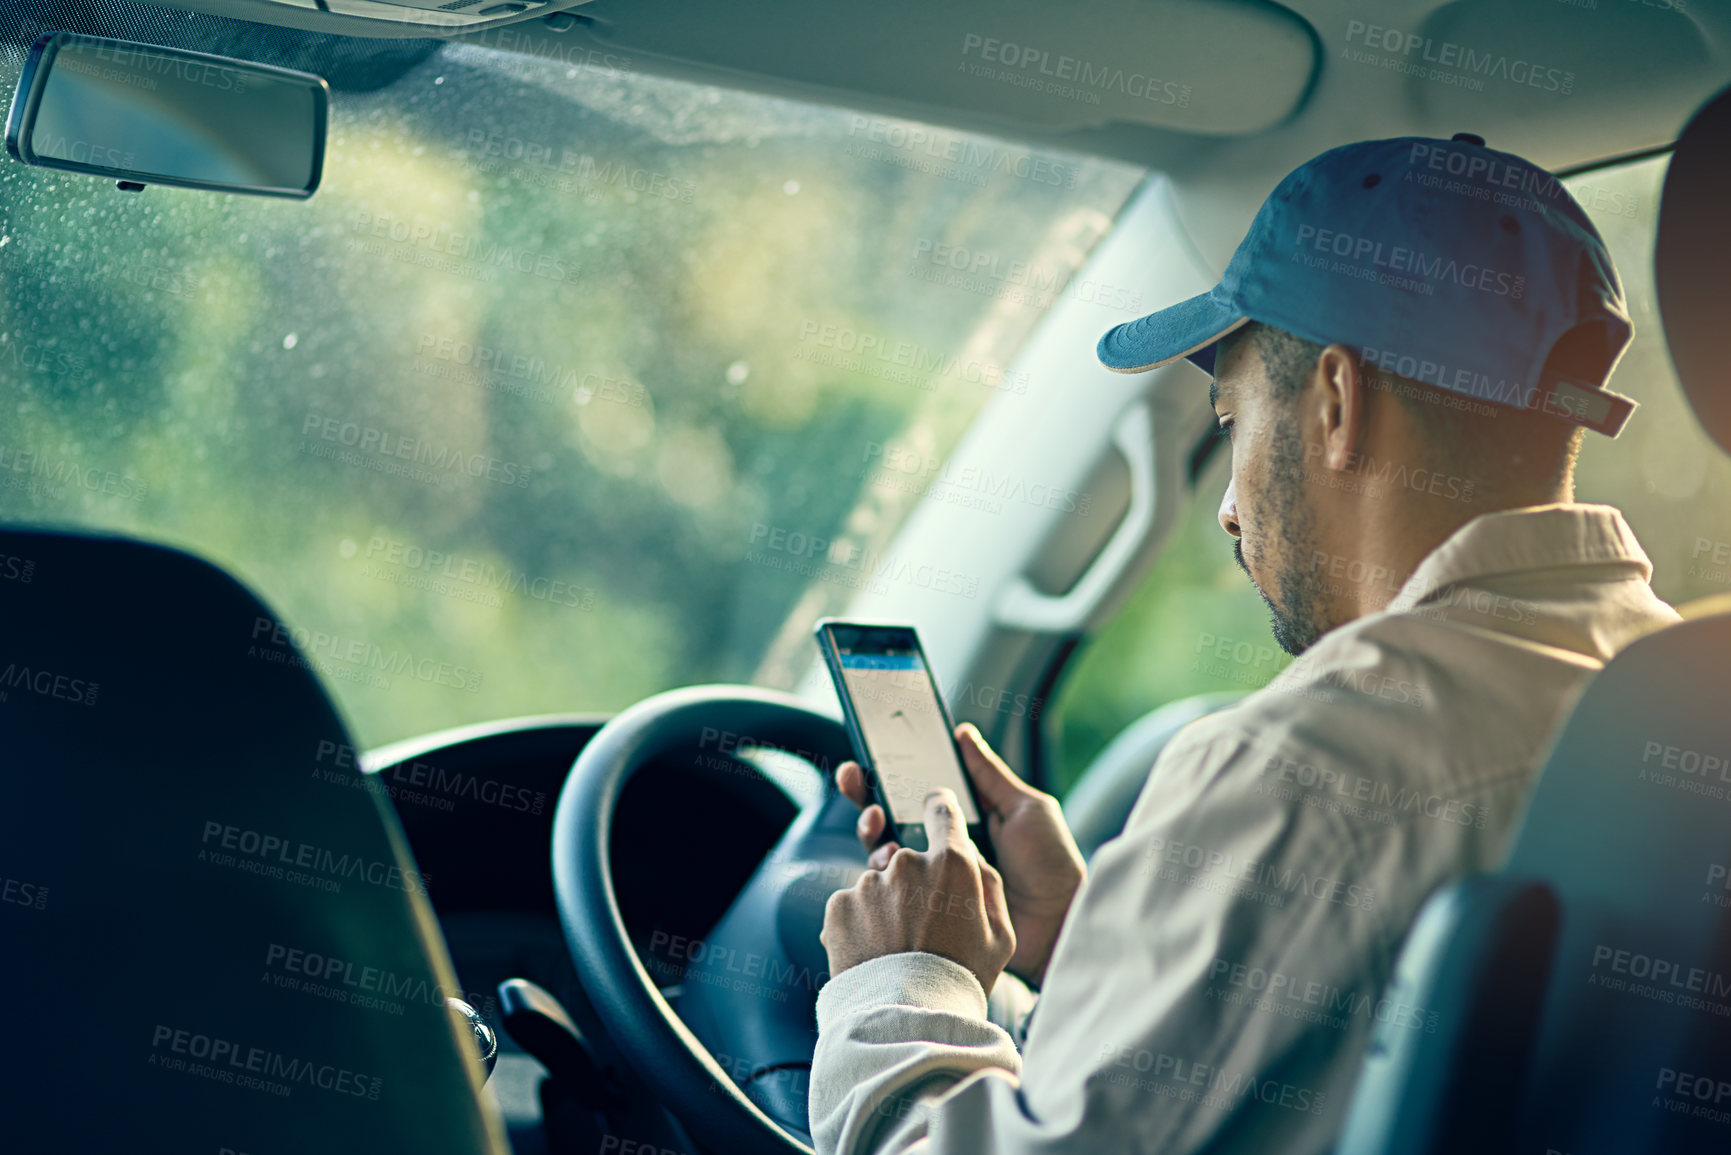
(902, 733)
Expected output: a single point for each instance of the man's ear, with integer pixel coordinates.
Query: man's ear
(1339, 402)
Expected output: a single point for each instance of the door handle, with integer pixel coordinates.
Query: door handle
(1023, 607)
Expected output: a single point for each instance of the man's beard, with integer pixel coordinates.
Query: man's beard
(1301, 617)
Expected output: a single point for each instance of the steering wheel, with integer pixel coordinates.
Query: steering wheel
(763, 1025)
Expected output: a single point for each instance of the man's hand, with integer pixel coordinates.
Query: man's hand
(946, 900)
(1041, 864)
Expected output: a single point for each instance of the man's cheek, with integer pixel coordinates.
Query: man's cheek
(1253, 526)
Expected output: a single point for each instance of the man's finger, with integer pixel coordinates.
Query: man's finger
(851, 781)
(992, 881)
(999, 786)
(870, 826)
(879, 859)
(834, 911)
(944, 825)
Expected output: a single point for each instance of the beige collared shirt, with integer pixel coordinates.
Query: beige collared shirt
(1222, 968)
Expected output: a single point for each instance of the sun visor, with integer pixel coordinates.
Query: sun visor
(1192, 66)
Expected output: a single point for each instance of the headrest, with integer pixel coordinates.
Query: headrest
(1693, 261)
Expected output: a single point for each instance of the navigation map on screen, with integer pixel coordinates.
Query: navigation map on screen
(905, 733)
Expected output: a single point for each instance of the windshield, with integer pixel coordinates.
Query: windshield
(555, 393)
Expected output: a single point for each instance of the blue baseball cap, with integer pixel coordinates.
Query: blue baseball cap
(1442, 261)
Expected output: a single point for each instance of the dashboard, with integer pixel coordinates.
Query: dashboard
(477, 807)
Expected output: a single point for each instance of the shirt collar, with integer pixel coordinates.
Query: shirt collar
(1535, 537)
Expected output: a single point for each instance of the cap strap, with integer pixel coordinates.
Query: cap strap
(1598, 409)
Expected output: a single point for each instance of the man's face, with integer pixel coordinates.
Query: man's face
(1268, 507)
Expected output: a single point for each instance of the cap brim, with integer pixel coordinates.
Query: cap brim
(1187, 329)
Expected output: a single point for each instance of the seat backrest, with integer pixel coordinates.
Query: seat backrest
(1604, 941)
(212, 936)
(1631, 828)
(1583, 996)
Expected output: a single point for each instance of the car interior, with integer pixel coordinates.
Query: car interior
(411, 536)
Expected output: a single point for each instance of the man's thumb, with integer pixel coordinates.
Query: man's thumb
(997, 783)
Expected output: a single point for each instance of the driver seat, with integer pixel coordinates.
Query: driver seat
(212, 935)
(1582, 996)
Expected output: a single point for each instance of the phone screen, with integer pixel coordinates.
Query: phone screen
(896, 703)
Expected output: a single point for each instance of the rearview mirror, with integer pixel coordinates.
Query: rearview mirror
(149, 115)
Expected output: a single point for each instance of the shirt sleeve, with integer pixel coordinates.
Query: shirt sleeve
(1010, 1004)
(1131, 1048)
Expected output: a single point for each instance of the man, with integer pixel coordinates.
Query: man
(1404, 357)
